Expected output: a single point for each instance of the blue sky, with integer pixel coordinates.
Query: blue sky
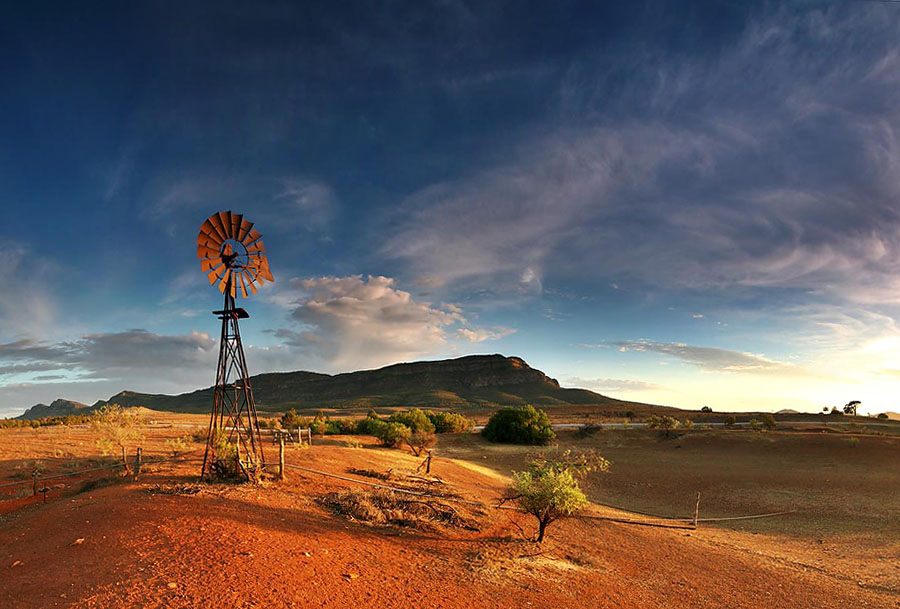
(689, 203)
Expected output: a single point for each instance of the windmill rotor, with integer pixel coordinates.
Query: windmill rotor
(232, 254)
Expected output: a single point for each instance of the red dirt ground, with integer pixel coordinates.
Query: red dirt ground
(274, 546)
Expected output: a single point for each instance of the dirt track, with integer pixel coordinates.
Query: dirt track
(273, 546)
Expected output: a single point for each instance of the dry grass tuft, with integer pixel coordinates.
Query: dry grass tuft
(383, 507)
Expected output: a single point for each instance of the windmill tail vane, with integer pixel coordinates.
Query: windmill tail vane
(233, 256)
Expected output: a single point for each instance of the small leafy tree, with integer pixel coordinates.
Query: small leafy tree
(756, 424)
(730, 420)
(883, 415)
(852, 407)
(706, 409)
(292, 420)
(549, 490)
(177, 445)
(768, 421)
(118, 427)
(519, 425)
(665, 424)
(420, 440)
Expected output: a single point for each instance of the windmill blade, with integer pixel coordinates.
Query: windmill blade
(208, 231)
(233, 285)
(250, 282)
(243, 287)
(236, 225)
(215, 275)
(252, 236)
(256, 247)
(266, 273)
(204, 251)
(216, 221)
(210, 264)
(211, 231)
(225, 219)
(246, 225)
(224, 281)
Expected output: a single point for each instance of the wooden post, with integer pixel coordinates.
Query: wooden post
(428, 463)
(300, 437)
(34, 483)
(697, 510)
(137, 462)
(281, 458)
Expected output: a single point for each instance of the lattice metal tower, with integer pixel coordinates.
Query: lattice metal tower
(232, 254)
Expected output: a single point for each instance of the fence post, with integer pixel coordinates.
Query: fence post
(281, 458)
(300, 437)
(428, 463)
(697, 509)
(34, 482)
(137, 462)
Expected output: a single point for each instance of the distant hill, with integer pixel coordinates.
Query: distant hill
(788, 411)
(465, 382)
(58, 407)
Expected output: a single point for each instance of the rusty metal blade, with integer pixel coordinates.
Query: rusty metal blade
(250, 283)
(210, 264)
(256, 247)
(236, 225)
(210, 229)
(224, 280)
(210, 232)
(215, 274)
(246, 225)
(252, 236)
(216, 221)
(204, 251)
(243, 286)
(225, 219)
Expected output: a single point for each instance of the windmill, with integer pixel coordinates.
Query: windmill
(232, 254)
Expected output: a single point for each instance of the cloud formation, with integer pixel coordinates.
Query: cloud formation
(610, 385)
(367, 321)
(713, 359)
(705, 173)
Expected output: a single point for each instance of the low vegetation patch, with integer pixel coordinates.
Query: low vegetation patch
(382, 507)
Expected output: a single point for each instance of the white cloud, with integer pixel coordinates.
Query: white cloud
(713, 359)
(611, 385)
(483, 334)
(356, 322)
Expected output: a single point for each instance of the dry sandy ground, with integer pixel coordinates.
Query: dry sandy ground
(147, 545)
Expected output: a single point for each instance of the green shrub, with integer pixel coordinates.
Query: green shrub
(756, 424)
(415, 419)
(449, 422)
(730, 420)
(368, 425)
(768, 421)
(665, 424)
(883, 415)
(391, 434)
(687, 424)
(519, 425)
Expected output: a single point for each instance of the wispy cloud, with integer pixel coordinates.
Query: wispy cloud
(713, 359)
(610, 385)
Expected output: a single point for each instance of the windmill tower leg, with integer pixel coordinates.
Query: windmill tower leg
(233, 433)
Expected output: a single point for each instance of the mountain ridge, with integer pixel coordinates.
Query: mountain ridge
(465, 382)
